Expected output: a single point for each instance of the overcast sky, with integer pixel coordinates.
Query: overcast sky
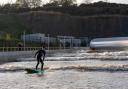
(79, 1)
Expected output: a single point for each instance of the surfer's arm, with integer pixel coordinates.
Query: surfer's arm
(43, 52)
(44, 55)
(36, 53)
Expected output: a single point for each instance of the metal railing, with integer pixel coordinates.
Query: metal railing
(8, 49)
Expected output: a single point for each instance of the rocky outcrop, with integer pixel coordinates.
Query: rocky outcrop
(62, 24)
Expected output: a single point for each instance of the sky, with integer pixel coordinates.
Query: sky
(79, 1)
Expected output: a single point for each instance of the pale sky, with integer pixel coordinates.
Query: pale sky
(79, 1)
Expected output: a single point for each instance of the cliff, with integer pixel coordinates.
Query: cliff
(63, 24)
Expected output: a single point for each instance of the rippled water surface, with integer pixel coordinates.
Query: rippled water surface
(79, 69)
(68, 79)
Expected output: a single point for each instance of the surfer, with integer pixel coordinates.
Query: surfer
(39, 54)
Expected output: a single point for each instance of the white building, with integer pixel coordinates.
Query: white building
(69, 41)
(64, 41)
(38, 37)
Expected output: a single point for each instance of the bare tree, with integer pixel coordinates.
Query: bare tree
(35, 3)
(22, 3)
(105, 0)
(87, 1)
(29, 3)
(63, 2)
(10, 1)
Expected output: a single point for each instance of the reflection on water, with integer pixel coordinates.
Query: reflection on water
(75, 70)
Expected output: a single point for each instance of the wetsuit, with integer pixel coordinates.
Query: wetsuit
(39, 55)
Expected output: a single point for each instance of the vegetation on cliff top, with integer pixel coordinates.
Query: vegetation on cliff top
(98, 8)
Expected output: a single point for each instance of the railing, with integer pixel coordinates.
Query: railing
(7, 49)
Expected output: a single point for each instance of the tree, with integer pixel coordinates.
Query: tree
(8, 36)
(105, 0)
(29, 3)
(51, 4)
(35, 3)
(63, 2)
(87, 1)
(22, 3)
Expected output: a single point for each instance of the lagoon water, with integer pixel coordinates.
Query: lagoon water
(77, 69)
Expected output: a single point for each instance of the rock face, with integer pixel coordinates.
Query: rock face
(62, 24)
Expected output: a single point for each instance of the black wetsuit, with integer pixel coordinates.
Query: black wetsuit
(39, 55)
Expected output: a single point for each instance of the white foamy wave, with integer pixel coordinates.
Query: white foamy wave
(95, 68)
(84, 55)
(88, 65)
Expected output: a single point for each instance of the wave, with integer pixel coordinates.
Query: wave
(107, 68)
(96, 60)
(95, 68)
(84, 55)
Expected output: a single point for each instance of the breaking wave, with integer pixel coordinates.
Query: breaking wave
(104, 68)
(85, 55)
(95, 68)
(80, 60)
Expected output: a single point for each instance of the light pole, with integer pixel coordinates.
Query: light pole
(48, 41)
(24, 39)
(70, 43)
(64, 42)
(59, 42)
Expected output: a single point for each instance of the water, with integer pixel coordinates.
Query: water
(79, 69)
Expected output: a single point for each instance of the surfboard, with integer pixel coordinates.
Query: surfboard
(29, 70)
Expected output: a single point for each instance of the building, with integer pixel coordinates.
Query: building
(63, 41)
(69, 41)
(38, 37)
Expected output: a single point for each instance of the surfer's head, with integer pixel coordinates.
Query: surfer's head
(43, 48)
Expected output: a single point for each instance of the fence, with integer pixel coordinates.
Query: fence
(7, 49)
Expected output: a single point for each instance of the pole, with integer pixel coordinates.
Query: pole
(24, 39)
(70, 42)
(87, 42)
(59, 42)
(48, 42)
(64, 42)
(79, 42)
